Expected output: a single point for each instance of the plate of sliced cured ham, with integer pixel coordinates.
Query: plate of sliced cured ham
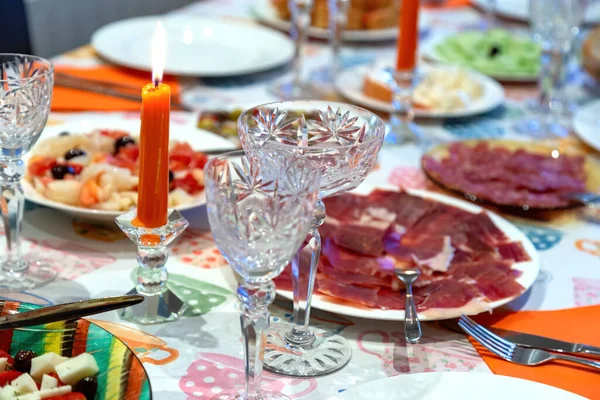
(541, 175)
(471, 260)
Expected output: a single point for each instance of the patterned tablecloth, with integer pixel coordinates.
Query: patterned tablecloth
(200, 354)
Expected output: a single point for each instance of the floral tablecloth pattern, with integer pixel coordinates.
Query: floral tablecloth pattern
(200, 354)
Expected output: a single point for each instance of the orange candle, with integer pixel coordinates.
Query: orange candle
(153, 187)
(408, 35)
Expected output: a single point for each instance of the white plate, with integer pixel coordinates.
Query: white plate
(519, 9)
(587, 124)
(196, 46)
(349, 83)
(428, 52)
(529, 269)
(267, 14)
(454, 386)
(197, 138)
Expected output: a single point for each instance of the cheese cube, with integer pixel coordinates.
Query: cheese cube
(24, 384)
(59, 391)
(3, 364)
(77, 368)
(28, 396)
(45, 364)
(48, 382)
(7, 393)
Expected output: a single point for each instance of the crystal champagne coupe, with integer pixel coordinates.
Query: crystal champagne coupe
(259, 222)
(554, 25)
(297, 88)
(25, 91)
(342, 142)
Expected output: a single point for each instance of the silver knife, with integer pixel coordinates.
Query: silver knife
(67, 311)
(542, 342)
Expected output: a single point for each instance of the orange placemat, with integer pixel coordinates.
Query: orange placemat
(580, 325)
(66, 99)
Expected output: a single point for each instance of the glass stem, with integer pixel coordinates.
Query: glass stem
(12, 202)
(338, 18)
(401, 120)
(254, 317)
(300, 334)
(151, 274)
(301, 10)
(552, 77)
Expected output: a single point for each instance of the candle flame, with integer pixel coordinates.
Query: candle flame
(159, 50)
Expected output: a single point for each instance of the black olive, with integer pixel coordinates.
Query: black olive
(59, 171)
(23, 360)
(64, 133)
(494, 51)
(171, 176)
(88, 387)
(122, 142)
(74, 153)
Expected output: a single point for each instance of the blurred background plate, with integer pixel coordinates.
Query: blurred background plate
(196, 46)
(428, 52)
(266, 13)
(519, 9)
(121, 375)
(349, 83)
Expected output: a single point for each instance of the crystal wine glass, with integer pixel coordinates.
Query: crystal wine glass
(25, 92)
(258, 223)
(342, 141)
(297, 88)
(554, 25)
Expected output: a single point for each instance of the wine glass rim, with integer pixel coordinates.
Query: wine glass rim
(324, 103)
(42, 60)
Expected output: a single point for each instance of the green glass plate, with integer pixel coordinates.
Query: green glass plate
(122, 375)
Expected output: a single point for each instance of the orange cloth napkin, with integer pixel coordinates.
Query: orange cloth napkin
(66, 99)
(581, 325)
(449, 4)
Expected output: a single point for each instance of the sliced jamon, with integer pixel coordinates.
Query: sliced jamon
(355, 294)
(408, 209)
(482, 225)
(356, 224)
(435, 253)
(495, 279)
(446, 293)
(513, 251)
(517, 178)
(348, 261)
(351, 278)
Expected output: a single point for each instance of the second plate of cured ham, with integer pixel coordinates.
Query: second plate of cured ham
(471, 260)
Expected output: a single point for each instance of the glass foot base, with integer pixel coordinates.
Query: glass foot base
(288, 91)
(156, 309)
(235, 394)
(24, 275)
(403, 133)
(328, 353)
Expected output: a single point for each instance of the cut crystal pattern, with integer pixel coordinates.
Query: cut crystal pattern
(257, 220)
(342, 141)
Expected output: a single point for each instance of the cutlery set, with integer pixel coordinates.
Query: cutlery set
(526, 349)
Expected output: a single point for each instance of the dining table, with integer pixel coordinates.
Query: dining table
(200, 354)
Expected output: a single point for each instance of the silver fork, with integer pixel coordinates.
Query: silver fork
(513, 352)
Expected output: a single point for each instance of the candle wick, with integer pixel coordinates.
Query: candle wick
(156, 82)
